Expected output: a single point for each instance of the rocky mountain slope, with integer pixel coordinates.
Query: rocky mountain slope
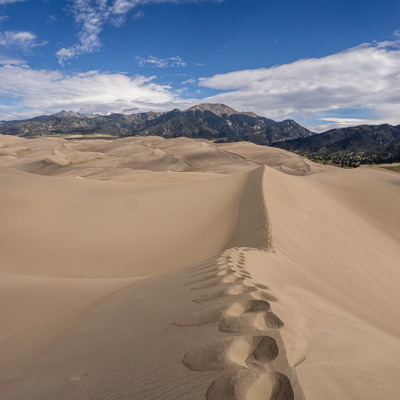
(216, 122)
(364, 144)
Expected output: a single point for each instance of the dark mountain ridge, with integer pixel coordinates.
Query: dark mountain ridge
(364, 144)
(208, 121)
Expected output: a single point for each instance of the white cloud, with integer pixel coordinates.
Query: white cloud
(190, 81)
(139, 14)
(161, 62)
(12, 38)
(9, 1)
(22, 39)
(44, 91)
(347, 121)
(92, 15)
(123, 6)
(51, 19)
(5, 59)
(367, 76)
(324, 124)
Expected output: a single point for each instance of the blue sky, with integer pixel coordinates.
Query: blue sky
(323, 63)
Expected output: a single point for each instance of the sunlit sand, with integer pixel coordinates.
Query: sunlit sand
(146, 268)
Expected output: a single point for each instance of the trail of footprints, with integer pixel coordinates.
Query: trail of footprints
(245, 357)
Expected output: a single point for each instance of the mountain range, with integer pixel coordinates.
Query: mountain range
(364, 144)
(206, 121)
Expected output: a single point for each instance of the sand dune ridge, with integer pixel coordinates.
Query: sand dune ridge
(245, 361)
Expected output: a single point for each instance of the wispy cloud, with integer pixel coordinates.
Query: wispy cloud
(190, 81)
(20, 39)
(93, 15)
(43, 91)
(51, 19)
(139, 14)
(324, 124)
(11, 38)
(9, 1)
(5, 59)
(366, 76)
(161, 62)
(346, 121)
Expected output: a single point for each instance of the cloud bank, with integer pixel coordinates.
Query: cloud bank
(46, 91)
(366, 76)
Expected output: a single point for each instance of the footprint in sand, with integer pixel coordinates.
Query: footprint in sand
(239, 316)
(245, 360)
(234, 351)
(209, 270)
(245, 384)
(250, 322)
(231, 290)
(210, 275)
(260, 286)
(222, 312)
(217, 281)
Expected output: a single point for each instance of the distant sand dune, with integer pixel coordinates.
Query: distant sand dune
(281, 160)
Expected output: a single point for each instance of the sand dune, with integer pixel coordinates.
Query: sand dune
(36, 311)
(146, 159)
(265, 285)
(281, 160)
(92, 229)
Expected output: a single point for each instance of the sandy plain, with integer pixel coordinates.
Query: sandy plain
(145, 268)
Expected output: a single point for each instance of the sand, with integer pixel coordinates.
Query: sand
(254, 274)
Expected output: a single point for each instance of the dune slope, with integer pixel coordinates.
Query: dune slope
(146, 341)
(290, 289)
(90, 229)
